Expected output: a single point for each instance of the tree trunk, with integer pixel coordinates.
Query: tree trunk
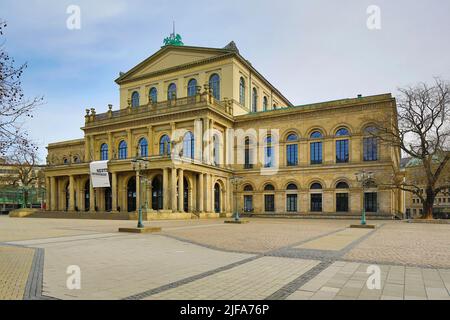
(428, 205)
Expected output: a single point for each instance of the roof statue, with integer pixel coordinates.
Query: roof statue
(174, 39)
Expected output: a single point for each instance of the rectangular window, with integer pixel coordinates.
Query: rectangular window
(292, 154)
(316, 152)
(248, 203)
(370, 147)
(370, 201)
(291, 203)
(342, 202)
(316, 202)
(269, 203)
(342, 151)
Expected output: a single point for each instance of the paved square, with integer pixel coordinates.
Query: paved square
(207, 259)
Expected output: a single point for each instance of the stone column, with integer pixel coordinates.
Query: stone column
(206, 140)
(173, 186)
(198, 133)
(91, 197)
(210, 139)
(200, 189)
(110, 146)
(47, 194)
(207, 193)
(53, 192)
(211, 190)
(131, 151)
(87, 151)
(149, 194)
(114, 191)
(150, 140)
(180, 190)
(166, 189)
(71, 193)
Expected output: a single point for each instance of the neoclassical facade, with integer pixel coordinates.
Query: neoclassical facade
(200, 117)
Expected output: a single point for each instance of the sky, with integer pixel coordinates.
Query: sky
(312, 51)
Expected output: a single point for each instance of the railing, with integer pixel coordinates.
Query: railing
(163, 106)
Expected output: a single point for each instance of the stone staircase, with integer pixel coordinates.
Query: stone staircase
(343, 216)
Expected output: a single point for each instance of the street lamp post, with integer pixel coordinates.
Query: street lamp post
(363, 177)
(235, 181)
(138, 165)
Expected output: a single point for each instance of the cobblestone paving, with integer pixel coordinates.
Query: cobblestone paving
(347, 281)
(15, 265)
(115, 267)
(406, 243)
(254, 280)
(206, 259)
(261, 235)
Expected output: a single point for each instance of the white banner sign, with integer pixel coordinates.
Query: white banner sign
(99, 174)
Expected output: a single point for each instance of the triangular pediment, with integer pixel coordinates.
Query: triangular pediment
(171, 57)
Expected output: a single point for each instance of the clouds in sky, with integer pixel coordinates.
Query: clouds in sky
(311, 51)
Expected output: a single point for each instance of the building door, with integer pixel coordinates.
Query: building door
(131, 194)
(316, 202)
(185, 195)
(67, 197)
(342, 202)
(87, 186)
(248, 203)
(157, 194)
(108, 199)
(269, 203)
(217, 198)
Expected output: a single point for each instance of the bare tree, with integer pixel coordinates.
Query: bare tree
(14, 107)
(422, 133)
(23, 160)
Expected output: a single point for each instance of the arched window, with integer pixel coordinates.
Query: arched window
(269, 199)
(268, 152)
(254, 100)
(248, 164)
(316, 135)
(316, 186)
(342, 132)
(342, 152)
(370, 144)
(248, 188)
(135, 99)
(192, 88)
(292, 186)
(122, 150)
(188, 145)
(172, 91)
(291, 198)
(265, 103)
(104, 152)
(143, 147)
(292, 150)
(316, 148)
(214, 84)
(316, 197)
(66, 161)
(342, 185)
(242, 91)
(153, 95)
(164, 145)
(342, 197)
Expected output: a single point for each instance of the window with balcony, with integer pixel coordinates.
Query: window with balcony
(135, 99)
(172, 91)
(143, 147)
(192, 88)
(214, 84)
(123, 150)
